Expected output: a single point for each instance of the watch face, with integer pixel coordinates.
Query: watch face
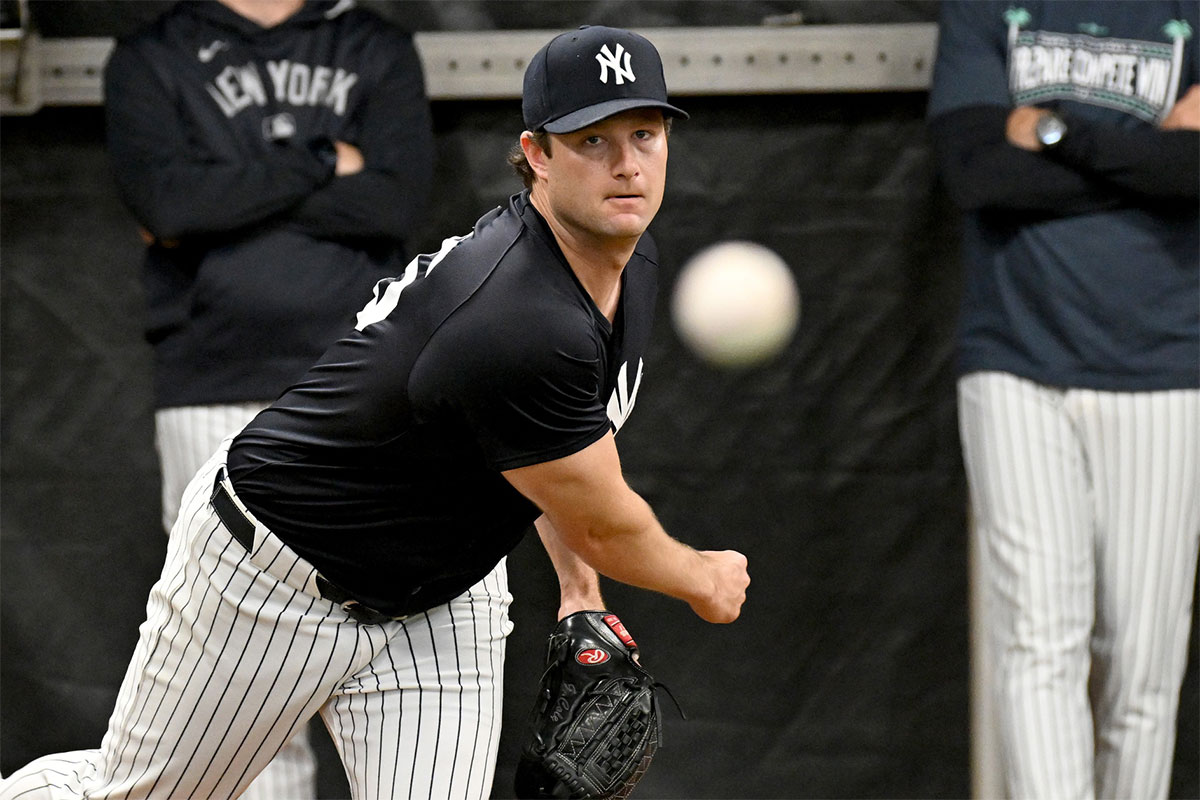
(1050, 130)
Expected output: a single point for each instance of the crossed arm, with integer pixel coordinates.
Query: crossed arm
(182, 181)
(1143, 161)
(593, 522)
(991, 159)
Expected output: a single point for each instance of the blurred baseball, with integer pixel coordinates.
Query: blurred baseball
(736, 304)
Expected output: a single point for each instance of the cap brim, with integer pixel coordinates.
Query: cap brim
(593, 114)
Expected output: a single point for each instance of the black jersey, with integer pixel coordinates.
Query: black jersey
(382, 466)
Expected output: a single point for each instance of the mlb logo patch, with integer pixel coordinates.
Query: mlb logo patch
(279, 126)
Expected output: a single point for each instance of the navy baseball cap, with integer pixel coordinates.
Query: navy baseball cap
(580, 77)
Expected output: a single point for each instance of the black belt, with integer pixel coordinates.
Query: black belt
(243, 532)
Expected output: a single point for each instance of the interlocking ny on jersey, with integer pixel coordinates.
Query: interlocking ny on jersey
(1139, 77)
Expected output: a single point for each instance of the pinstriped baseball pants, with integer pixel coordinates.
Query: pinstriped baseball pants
(1088, 509)
(239, 650)
(185, 437)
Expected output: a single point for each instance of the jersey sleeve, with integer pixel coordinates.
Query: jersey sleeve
(527, 388)
(982, 171)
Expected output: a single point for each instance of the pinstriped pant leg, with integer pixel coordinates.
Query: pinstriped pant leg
(1145, 462)
(185, 437)
(230, 662)
(423, 719)
(63, 776)
(1030, 497)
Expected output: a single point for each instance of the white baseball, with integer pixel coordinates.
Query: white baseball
(736, 304)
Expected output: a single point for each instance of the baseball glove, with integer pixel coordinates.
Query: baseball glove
(596, 721)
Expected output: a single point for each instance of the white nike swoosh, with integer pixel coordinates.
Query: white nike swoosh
(206, 54)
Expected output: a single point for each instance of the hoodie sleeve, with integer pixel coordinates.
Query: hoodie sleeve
(388, 197)
(177, 188)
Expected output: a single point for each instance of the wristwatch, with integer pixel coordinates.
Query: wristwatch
(1050, 129)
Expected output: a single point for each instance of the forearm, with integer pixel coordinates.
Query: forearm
(394, 134)
(989, 158)
(368, 205)
(628, 544)
(177, 187)
(176, 201)
(609, 527)
(982, 170)
(579, 584)
(1146, 161)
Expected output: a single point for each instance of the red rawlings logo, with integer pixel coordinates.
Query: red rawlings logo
(591, 656)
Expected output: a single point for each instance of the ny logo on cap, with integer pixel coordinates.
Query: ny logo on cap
(608, 58)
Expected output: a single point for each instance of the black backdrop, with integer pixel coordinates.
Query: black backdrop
(835, 468)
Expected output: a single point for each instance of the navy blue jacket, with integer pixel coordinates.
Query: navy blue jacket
(1083, 260)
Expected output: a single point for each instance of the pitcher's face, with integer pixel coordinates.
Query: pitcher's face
(606, 181)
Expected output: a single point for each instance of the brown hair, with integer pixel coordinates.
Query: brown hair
(518, 161)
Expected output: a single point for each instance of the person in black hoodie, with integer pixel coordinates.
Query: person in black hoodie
(277, 155)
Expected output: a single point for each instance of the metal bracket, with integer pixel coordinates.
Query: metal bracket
(490, 64)
(707, 61)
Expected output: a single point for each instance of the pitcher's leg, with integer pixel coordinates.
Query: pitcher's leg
(226, 679)
(62, 776)
(229, 664)
(1146, 450)
(79, 773)
(185, 438)
(1029, 496)
(423, 719)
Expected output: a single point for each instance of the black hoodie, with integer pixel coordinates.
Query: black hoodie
(220, 137)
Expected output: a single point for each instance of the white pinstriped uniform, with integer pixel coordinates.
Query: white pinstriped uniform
(203, 710)
(1087, 505)
(185, 437)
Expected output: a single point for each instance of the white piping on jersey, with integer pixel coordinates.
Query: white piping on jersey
(387, 291)
(343, 6)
